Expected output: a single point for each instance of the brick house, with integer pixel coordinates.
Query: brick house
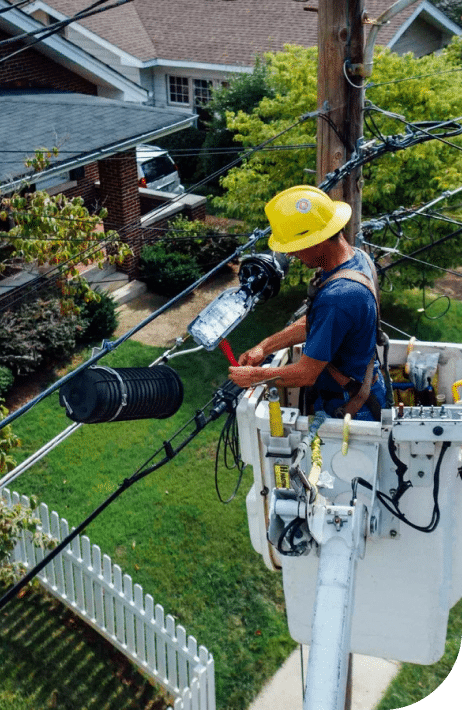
(177, 51)
(55, 93)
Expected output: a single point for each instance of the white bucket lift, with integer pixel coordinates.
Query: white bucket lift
(356, 577)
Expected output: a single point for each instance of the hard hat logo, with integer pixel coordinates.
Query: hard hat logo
(303, 216)
(303, 206)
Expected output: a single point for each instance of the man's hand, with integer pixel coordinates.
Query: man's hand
(253, 357)
(302, 373)
(246, 376)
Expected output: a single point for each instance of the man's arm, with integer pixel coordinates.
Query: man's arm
(292, 335)
(303, 373)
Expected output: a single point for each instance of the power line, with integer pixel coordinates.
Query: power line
(57, 271)
(53, 27)
(373, 85)
(420, 125)
(12, 7)
(109, 346)
(383, 269)
(411, 258)
(56, 27)
(187, 152)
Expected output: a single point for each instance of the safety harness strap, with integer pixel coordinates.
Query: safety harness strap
(362, 395)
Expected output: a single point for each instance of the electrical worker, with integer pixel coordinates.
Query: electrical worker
(338, 367)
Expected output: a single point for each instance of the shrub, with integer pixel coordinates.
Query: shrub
(198, 240)
(167, 273)
(14, 522)
(36, 334)
(6, 379)
(8, 441)
(98, 318)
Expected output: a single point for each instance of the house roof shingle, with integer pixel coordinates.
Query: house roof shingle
(81, 125)
(213, 31)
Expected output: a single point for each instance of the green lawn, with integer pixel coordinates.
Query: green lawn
(171, 534)
(169, 531)
(440, 321)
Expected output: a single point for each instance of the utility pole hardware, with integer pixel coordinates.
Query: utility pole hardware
(340, 97)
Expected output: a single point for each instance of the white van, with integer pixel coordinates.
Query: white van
(156, 169)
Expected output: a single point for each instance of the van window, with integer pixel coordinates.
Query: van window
(158, 168)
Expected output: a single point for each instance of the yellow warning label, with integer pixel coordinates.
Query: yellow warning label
(281, 475)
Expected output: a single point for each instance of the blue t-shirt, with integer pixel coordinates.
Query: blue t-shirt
(343, 330)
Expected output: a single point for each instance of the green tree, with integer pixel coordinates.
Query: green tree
(292, 77)
(242, 93)
(452, 8)
(57, 231)
(406, 178)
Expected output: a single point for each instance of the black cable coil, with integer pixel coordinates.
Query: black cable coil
(105, 394)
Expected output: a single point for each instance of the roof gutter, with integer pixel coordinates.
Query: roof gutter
(179, 64)
(100, 154)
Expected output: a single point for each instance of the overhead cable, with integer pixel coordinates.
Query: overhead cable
(56, 27)
(16, 5)
(373, 85)
(109, 346)
(185, 152)
(432, 245)
(420, 125)
(224, 400)
(366, 151)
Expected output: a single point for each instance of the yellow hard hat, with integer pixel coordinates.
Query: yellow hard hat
(303, 216)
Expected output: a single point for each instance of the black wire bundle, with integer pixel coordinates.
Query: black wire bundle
(391, 502)
(229, 440)
(291, 531)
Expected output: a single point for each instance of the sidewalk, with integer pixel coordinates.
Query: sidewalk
(371, 677)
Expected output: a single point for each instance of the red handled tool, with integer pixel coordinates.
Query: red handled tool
(225, 348)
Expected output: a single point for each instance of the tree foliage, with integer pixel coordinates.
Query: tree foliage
(292, 77)
(419, 89)
(451, 8)
(15, 521)
(8, 442)
(242, 93)
(56, 231)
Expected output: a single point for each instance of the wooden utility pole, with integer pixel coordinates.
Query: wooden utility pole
(341, 100)
(340, 97)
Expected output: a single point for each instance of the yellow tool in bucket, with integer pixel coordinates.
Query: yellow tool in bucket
(410, 348)
(275, 414)
(346, 434)
(455, 391)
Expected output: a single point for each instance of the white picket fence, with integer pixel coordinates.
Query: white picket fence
(106, 599)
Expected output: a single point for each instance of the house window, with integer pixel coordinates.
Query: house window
(202, 92)
(178, 90)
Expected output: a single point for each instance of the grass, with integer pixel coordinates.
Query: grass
(441, 321)
(415, 682)
(51, 659)
(171, 534)
(169, 531)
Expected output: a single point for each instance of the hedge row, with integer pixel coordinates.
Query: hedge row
(38, 334)
(188, 250)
